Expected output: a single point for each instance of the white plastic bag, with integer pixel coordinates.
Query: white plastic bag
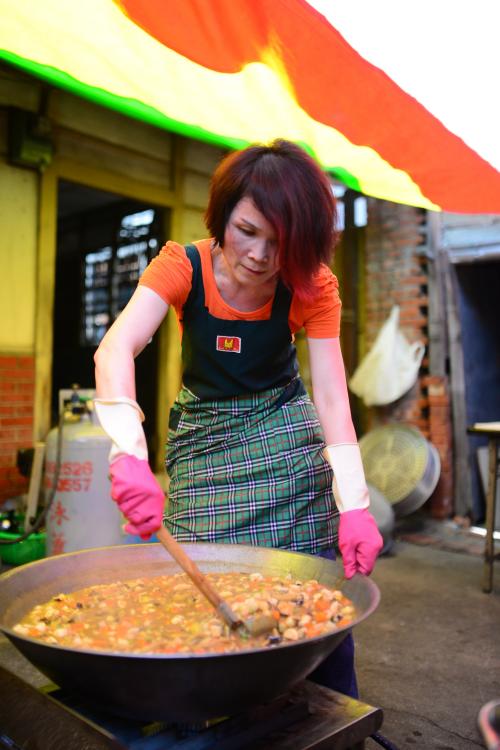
(391, 366)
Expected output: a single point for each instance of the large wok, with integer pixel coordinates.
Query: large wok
(179, 687)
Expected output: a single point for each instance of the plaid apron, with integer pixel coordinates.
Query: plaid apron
(250, 470)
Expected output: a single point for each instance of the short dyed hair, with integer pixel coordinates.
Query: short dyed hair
(293, 193)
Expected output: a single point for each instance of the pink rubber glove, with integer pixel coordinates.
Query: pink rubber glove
(359, 541)
(138, 494)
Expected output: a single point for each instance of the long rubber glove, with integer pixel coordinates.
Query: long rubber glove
(133, 485)
(359, 538)
(138, 494)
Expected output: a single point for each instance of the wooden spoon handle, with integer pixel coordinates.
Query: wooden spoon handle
(192, 570)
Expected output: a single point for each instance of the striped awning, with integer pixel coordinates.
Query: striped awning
(398, 102)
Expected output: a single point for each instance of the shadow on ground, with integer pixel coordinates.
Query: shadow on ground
(430, 655)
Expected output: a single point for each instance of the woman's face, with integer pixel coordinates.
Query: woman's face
(250, 245)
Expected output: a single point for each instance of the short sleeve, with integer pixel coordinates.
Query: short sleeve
(169, 275)
(321, 316)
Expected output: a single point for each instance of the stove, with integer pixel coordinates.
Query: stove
(308, 717)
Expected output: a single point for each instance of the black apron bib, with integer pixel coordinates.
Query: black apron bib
(224, 358)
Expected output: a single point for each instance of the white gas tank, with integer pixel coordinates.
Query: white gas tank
(82, 513)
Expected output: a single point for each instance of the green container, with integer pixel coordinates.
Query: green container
(18, 553)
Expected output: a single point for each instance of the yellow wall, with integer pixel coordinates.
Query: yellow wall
(18, 217)
(99, 148)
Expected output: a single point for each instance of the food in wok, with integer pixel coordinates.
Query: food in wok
(167, 614)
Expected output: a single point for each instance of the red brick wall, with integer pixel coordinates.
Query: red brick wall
(441, 435)
(17, 378)
(396, 273)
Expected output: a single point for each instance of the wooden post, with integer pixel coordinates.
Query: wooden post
(169, 352)
(44, 307)
(489, 549)
(462, 480)
(438, 331)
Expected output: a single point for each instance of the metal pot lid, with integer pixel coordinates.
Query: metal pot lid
(395, 459)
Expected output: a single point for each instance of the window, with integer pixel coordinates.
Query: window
(111, 273)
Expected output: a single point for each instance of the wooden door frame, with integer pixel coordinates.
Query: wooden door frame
(66, 169)
(446, 353)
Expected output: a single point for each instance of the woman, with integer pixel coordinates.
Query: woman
(246, 448)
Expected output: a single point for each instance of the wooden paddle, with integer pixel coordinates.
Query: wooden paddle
(254, 626)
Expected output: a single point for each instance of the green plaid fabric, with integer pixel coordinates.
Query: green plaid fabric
(249, 470)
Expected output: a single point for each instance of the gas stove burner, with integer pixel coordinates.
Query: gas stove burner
(310, 716)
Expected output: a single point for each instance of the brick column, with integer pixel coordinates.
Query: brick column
(16, 419)
(441, 436)
(396, 273)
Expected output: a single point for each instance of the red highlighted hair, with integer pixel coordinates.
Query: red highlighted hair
(293, 193)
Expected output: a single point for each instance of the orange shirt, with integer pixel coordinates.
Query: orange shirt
(169, 275)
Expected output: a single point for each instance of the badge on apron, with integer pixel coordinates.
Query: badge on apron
(228, 344)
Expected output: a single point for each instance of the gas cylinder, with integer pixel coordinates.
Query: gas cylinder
(82, 513)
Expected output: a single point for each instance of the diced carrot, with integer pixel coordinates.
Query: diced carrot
(322, 604)
(76, 626)
(321, 616)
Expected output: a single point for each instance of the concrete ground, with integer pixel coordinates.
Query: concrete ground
(430, 655)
